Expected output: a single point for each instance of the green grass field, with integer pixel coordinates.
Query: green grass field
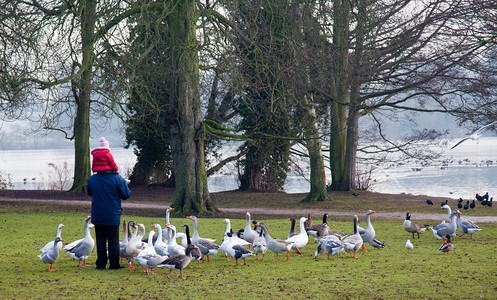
(468, 272)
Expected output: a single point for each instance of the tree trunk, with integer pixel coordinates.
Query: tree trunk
(338, 136)
(318, 180)
(187, 143)
(82, 168)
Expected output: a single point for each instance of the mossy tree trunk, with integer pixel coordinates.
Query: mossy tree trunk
(82, 167)
(187, 141)
(341, 81)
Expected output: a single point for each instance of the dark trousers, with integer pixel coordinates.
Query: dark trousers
(107, 237)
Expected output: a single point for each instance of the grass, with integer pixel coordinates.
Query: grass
(392, 273)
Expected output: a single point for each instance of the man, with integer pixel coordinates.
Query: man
(107, 189)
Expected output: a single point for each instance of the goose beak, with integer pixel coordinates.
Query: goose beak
(189, 217)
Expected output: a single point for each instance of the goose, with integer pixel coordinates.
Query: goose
(276, 245)
(126, 236)
(206, 246)
(248, 233)
(182, 236)
(332, 246)
(51, 254)
(368, 233)
(172, 247)
(466, 206)
(235, 239)
(168, 213)
(292, 228)
(376, 243)
(132, 248)
(308, 222)
(139, 237)
(337, 233)
(413, 226)
(160, 246)
(179, 261)
(472, 205)
(449, 212)
(300, 240)
(50, 244)
(466, 226)
(236, 250)
(196, 253)
(409, 245)
(259, 244)
(318, 230)
(353, 242)
(81, 250)
(148, 258)
(441, 230)
(446, 246)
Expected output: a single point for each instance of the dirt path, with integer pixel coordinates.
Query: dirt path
(264, 211)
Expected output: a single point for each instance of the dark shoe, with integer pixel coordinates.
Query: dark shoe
(97, 268)
(116, 268)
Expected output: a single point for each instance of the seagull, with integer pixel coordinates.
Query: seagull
(475, 135)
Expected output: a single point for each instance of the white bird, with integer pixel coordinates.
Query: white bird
(441, 230)
(248, 233)
(236, 250)
(367, 234)
(160, 246)
(409, 245)
(50, 255)
(259, 244)
(172, 247)
(81, 249)
(50, 244)
(168, 213)
(148, 258)
(475, 135)
(235, 239)
(300, 240)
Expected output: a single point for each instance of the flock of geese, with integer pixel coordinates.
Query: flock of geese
(161, 249)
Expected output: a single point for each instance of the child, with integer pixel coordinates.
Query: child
(102, 159)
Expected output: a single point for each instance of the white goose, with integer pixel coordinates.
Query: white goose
(441, 230)
(148, 258)
(259, 244)
(182, 236)
(49, 245)
(172, 247)
(206, 246)
(236, 250)
(234, 239)
(51, 254)
(248, 233)
(81, 249)
(353, 242)
(367, 234)
(164, 233)
(160, 246)
(300, 240)
(132, 248)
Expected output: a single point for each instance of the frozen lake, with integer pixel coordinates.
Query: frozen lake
(468, 169)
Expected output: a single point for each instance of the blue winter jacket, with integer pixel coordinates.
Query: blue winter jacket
(106, 190)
